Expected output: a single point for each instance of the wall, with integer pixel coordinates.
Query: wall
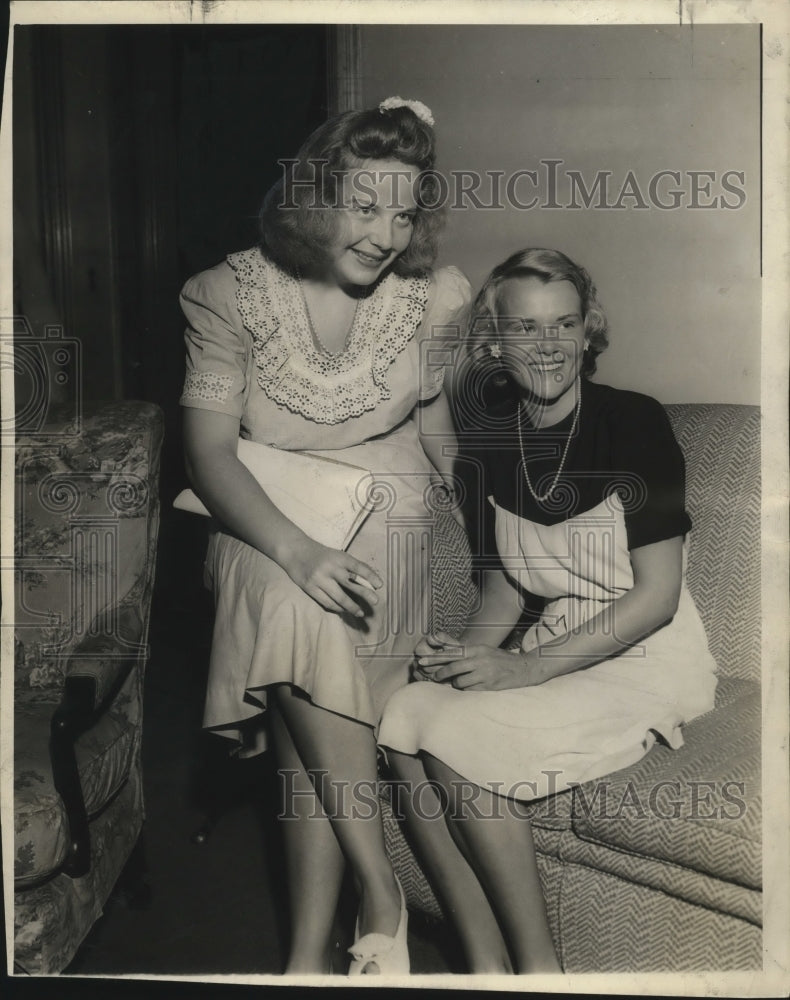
(681, 286)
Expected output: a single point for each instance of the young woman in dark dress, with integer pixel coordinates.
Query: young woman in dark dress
(587, 485)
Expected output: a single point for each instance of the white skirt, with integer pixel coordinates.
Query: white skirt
(525, 743)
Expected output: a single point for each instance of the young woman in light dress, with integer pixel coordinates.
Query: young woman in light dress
(318, 340)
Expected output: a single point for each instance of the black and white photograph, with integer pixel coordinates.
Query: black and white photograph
(394, 497)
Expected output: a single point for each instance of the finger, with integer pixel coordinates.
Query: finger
(339, 572)
(439, 644)
(324, 599)
(423, 648)
(438, 659)
(467, 682)
(363, 591)
(361, 570)
(429, 645)
(450, 671)
(346, 601)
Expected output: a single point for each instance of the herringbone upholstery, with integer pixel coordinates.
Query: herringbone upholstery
(416, 887)
(610, 924)
(452, 593)
(721, 445)
(699, 806)
(631, 887)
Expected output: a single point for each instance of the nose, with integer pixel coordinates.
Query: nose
(381, 234)
(548, 339)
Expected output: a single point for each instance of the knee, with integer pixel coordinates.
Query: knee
(410, 714)
(402, 705)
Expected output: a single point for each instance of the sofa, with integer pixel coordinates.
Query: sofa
(86, 524)
(658, 867)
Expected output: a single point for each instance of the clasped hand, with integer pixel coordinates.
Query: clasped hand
(335, 579)
(470, 667)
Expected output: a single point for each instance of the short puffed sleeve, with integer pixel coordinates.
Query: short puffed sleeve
(442, 327)
(216, 347)
(644, 445)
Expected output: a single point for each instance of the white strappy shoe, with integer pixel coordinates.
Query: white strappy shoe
(391, 954)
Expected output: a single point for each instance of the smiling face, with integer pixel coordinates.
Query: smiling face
(376, 219)
(541, 331)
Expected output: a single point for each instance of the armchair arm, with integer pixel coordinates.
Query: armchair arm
(104, 661)
(70, 718)
(94, 671)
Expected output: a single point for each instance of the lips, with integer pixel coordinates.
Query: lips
(368, 259)
(546, 367)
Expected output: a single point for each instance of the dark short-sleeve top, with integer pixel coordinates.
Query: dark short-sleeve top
(623, 442)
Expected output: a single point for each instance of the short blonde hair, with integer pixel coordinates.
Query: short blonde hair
(546, 265)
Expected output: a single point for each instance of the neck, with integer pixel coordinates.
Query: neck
(326, 284)
(544, 414)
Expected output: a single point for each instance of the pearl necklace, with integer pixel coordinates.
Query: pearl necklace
(550, 490)
(313, 332)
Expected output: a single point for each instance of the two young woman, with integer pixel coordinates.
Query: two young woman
(315, 340)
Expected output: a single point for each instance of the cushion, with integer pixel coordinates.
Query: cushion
(697, 807)
(673, 880)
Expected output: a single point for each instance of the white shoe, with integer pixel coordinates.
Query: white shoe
(391, 954)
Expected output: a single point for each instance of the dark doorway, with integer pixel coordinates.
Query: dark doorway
(141, 154)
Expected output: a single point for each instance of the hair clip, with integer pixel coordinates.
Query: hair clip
(422, 111)
(495, 350)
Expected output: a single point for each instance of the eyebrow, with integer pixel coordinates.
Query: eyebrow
(559, 319)
(374, 203)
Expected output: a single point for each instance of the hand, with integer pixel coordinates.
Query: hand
(430, 645)
(469, 667)
(333, 578)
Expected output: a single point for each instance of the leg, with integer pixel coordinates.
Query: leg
(455, 881)
(314, 861)
(499, 844)
(340, 755)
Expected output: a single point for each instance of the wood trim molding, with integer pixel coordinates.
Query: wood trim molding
(343, 68)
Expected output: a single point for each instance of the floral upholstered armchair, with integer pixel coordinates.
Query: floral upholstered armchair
(86, 523)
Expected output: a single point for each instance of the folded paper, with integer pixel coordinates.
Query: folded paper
(327, 499)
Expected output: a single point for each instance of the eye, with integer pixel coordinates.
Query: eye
(570, 324)
(365, 210)
(512, 326)
(530, 329)
(406, 218)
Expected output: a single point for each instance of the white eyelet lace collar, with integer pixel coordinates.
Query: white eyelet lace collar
(293, 371)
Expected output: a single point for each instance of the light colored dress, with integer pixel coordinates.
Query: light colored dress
(251, 353)
(622, 487)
